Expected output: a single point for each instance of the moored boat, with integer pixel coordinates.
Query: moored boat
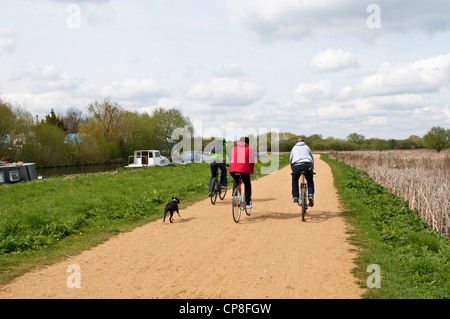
(17, 172)
(143, 158)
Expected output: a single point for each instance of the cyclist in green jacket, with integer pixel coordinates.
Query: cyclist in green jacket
(219, 160)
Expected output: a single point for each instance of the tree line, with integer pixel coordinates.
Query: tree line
(437, 138)
(109, 133)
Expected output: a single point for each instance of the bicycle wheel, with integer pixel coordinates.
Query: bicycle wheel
(222, 192)
(236, 204)
(215, 190)
(303, 199)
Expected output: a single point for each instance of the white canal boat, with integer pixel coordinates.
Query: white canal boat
(144, 158)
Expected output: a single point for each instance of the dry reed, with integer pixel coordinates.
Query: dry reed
(422, 177)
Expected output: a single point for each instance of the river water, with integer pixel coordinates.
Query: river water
(61, 171)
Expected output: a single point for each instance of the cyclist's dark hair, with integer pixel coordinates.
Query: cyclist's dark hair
(245, 139)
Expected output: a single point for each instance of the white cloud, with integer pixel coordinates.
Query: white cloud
(226, 92)
(382, 102)
(393, 93)
(375, 121)
(100, 15)
(286, 18)
(421, 76)
(162, 40)
(165, 103)
(401, 101)
(313, 92)
(346, 110)
(133, 90)
(446, 113)
(6, 41)
(45, 77)
(296, 20)
(228, 70)
(430, 115)
(41, 103)
(333, 60)
(346, 93)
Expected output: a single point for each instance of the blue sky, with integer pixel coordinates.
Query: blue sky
(306, 67)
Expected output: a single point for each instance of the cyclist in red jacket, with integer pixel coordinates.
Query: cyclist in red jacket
(243, 161)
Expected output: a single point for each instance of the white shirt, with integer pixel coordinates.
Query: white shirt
(301, 153)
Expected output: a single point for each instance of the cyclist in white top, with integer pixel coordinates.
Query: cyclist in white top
(301, 159)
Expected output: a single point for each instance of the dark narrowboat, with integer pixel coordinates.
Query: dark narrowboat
(17, 172)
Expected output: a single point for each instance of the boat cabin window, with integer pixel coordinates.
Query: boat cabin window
(150, 154)
(2, 176)
(157, 154)
(138, 154)
(14, 176)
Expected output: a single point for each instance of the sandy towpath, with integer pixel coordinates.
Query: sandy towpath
(205, 254)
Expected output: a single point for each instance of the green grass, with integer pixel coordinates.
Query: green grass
(414, 260)
(45, 220)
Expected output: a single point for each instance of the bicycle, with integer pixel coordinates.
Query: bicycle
(302, 201)
(217, 190)
(238, 201)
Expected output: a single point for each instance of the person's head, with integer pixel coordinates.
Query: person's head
(245, 140)
(300, 139)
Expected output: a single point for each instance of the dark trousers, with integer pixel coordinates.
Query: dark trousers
(309, 179)
(214, 166)
(248, 185)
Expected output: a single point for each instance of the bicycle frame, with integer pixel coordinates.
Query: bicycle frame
(242, 193)
(239, 204)
(217, 190)
(303, 198)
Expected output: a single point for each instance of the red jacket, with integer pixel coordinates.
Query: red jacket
(242, 158)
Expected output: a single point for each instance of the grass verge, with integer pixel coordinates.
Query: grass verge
(414, 261)
(45, 220)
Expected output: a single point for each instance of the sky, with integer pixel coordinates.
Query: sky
(330, 67)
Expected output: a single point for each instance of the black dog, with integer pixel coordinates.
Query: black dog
(171, 207)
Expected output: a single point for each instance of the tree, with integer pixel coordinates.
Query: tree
(15, 127)
(7, 121)
(166, 121)
(7, 117)
(437, 138)
(380, 144)
(53, 119)
(356, 138)
(416, 141)
(73, 119)
(286, 141)
(140, 132)
(103, 133)
(108, 116)
(50, 146)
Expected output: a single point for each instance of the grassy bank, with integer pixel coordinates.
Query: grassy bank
(414, 260)
(45, 220)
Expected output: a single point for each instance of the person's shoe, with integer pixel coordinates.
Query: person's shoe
(295, 200)
(310, 201)
(248, 206)
(210, 194)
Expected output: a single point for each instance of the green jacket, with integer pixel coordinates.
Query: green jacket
(219, 151)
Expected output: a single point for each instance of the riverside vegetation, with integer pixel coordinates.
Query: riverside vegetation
(421, 177)
(414, 260)
(44, 220)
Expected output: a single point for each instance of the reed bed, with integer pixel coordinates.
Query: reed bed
(421, 177)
